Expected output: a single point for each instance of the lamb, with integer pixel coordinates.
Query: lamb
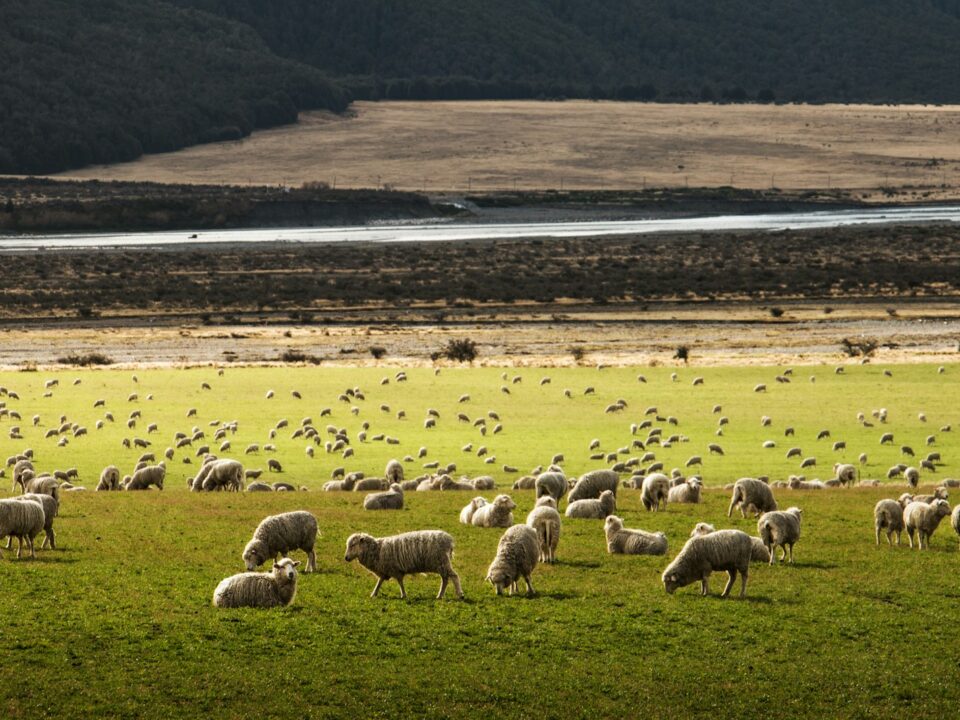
(394, 472)
(759, 552)
(466, 515)
(751, 494)
(632, 542)
(23, 520)
(109, 479)
(151, 475)
(276, 588)
(728, 550)
(594, 483)
(395, 556)
(780, 528)
(496, 514)
(551, 484)
(517, 554)
(845, 473)
(278, 535)
(888, 516)
(655, 488)
(923, 519)
(392, 499)
(686, 492)
(545, 520)
(593, 509)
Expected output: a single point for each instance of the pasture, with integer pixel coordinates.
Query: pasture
(117, 621)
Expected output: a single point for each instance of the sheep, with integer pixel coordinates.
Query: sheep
(939, 493)
(394, 472)
(466, 515)
(545, 520)
(751, 493)
(278, 535)
(368, 484)
(654, 490)
(276, 588)
(551, 484)
(728, 550)
(484, 482)
(621, 540)
(686, 492)
(220, 475)
(780, 528)
(109, 479)
(496, 514)
(43, 485)
(955, 519)
(888, 516)
(759, 552)
(594, 483)
(517, 555)
(284, 487)
(51, 508)
(923, 519)
(151, 475)
(274, 465)
(912, 476)
(395, 556)
(22, 520)
(258, 486)
(596, 509)
(392, 499)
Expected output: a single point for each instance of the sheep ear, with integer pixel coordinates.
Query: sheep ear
(296, 563)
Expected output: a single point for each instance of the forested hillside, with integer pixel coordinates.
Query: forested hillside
(87, 81)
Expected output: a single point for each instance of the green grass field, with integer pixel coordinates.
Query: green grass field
(117, 621)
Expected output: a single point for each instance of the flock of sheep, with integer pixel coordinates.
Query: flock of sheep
(592, 496)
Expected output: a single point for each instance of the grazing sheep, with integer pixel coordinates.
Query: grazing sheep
(21, 520)
(219, 475)
(466, 515)
(593, 509)
(392, 499)
(654, 490)
(621, 540)
(594, 483)
(51, 508)
(728, 550)
(43, 485)
(545, 520)
(551, 484)
(923, 519)
(274, 465)
(751, 494)
(394, 472)
(278, 535)
(109, 479)
(780, 528)
(912, 476)
(686, 492)
(955, 519)
(517, 555)
(396, 556)
(276, 588)
(496, 514)
(759, 551)
(145, 477)
(888, 516)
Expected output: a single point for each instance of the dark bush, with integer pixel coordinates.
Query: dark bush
(377, 351)
(86, 360)
(857, 348)
(460, 350)
(682, 353)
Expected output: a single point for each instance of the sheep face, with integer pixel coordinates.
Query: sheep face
(504, 501)
(702, 528)
(357, 545)
(671, 582)
(500, 579)
(254, 555)
(612, 523)
(286, 569)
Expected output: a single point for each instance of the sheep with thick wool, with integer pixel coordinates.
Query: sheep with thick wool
(726, 550)
(391, 499)
(545, 520)
(922, 518)
(780, 528)
(22, 520)
(750, 494)
(593, 509)
(498, 513)
(280, 534)
(551, 484)
(276, 588)
(145, 477)
(888, 517)
(626, 541)
(517, 555)
(655, 491)
(590, 486)
(396, 556)
(466, 515)
(109, 479)
(759, 552)
(686, 492)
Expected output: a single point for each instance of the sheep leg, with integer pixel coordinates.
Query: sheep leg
(376, 588)
(311, 561)
(530, 591)
(443, 587)
(772, 549)
(878, 535)
(456, 583)
(732, 578)
(704, 585)
(743, 580)
(791, 553)
(9, 541)
(19, 546)
(33, 554)
(403, 590)
(733, 501)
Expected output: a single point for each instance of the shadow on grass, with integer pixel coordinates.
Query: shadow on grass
(577, 563)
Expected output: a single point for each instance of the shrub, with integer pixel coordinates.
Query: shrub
(295, 356)
(682, 353)
(93, 358)
(776, 312)
(577, 352)
(460, 350)
(856, 348)
(377, 351)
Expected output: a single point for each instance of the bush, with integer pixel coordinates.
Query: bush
(776, 312)
(462, 350)
(296, 356)
(682, 353)
(857, 348)
(377, 351)
(577, 352)
(86, 360)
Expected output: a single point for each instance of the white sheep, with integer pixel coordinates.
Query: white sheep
(391, 499)
(751, 494)
(632, 542)
(109, 479)
(145, 477)
(466, 515)
(759, 552)
(220, 474)
(517, 555)
(393, 472)
(551, 484)
(21, 520)
(728, 550)
(780, 528)
(888, 516)
(42, 485)
(845, 473)
(279, 534)
(396, 556)
(955, 519)
(686, 492)
(923, 519)
(496, 514)
(594, 483)
(276, 588)
(545, 520)
(593, 509)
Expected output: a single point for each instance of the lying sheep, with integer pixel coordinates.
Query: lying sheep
(593, 509)
(218, 474)
(276, 588)
(278, 535)
(545, 520)
(370, 484)
(109, 479)
(22, 520)
(686, 492)
(517, 555)
(551, 484)
(396, 556)
(594, 483)
(346, 484)
(484, 482)
(939, 493)
(751, 494)
(466, 515)
(759, 552)
(654, 490)
(728, 550)
(624, 541)
(151, 475)
(888, 516)
(392, 499)
(781, 529)
(496, 514)
(258, 486)
(923, 519)
(527, 482)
